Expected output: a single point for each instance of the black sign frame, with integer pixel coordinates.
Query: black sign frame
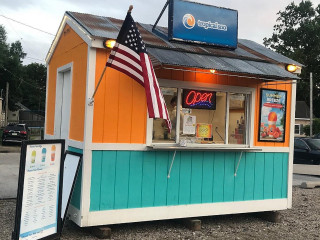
(20, 192)
(187, 92)
(262, 94)
(80, 155)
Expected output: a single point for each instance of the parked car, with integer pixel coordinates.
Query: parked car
(15, 133)
(306, 151)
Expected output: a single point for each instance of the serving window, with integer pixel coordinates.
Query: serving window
(201, 116)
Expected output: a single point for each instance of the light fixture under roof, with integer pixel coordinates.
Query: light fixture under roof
(109, 43)
(291, 68)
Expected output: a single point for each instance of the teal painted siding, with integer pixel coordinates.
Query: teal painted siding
(76, 195)
(133, 179)
(76, 150)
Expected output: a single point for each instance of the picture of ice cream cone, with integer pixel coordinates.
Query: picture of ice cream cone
(33, 156)
(272, 120)
(53, 152)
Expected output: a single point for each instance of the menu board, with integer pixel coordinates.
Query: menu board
(39, 193)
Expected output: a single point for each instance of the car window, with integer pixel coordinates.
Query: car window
(314, 143)
(18, 127)
(299, 144)
(10, 127)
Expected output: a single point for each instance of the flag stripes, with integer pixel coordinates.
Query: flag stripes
(129, 56)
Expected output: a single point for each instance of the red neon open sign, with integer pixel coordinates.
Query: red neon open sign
(199, 99)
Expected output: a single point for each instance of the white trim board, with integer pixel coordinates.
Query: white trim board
(75, 27)
(291, 142)
(88, 126)
(144, 147)
(74, 214)
(83, 34)
(71, 143)
(48, 136)
(75, 144)
(117, 146)
(182, 211)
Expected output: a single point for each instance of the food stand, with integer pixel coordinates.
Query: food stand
(231, 105)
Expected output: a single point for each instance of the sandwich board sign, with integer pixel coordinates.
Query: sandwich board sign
(70, 171)
(40, 190)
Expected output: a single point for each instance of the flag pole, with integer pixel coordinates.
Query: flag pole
(91, 100)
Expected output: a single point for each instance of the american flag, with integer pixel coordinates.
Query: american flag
(129, 56)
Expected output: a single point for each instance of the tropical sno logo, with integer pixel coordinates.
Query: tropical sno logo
(188, 21)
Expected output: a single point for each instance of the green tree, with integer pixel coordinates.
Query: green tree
(11, 68)
(27, 83)
(296, 35)
(315, 127)
(34, 86)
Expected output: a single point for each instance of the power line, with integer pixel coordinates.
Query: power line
(41, 60)
(27, 25)
(21, 39)
(32, 85)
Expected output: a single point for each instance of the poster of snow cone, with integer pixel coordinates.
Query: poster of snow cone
(272, 115)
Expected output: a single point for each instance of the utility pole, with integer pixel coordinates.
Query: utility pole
(7, 103)
(311, 103)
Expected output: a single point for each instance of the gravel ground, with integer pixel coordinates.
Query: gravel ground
(300, 222)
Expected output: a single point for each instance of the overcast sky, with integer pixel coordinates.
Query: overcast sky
(256, 18)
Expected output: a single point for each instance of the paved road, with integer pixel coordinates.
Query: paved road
(9, 171)
(298, 179)
(306, 169)
(10, 149)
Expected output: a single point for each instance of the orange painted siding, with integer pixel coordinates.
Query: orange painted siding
(70, 49)
(120, 108)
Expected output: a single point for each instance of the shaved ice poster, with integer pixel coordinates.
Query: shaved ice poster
(272, 115)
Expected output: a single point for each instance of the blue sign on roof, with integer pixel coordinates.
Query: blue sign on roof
(189, 21)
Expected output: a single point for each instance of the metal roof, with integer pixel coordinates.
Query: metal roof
(185, 59)
(249, 57)
(267, 52)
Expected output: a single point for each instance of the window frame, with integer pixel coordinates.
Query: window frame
(249, 112)
(299, 133)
